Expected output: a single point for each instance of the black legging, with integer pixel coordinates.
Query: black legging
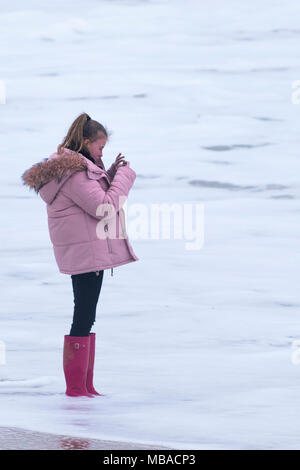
(86, 289)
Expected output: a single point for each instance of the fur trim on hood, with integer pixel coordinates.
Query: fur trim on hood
(55, 167)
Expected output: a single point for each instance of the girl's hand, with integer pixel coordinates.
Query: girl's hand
(120, 162)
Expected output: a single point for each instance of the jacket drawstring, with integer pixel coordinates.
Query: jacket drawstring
(112, 270)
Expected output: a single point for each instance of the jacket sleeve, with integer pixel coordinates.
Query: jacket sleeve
(89, 195)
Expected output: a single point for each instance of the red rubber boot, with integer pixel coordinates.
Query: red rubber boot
(75, 364)
(90, 370)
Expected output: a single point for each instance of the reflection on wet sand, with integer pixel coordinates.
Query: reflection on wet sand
(24, 439)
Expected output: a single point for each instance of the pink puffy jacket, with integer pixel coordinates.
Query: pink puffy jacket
(85, 237)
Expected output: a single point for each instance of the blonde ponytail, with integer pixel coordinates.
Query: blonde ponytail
(82, 128)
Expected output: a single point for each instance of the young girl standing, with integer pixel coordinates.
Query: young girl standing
(87, 229)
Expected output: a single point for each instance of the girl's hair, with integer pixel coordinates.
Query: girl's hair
(82, 128)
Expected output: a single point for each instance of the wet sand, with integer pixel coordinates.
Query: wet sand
(23, 439)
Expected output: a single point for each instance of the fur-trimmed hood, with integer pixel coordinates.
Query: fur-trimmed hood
(49, 175)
